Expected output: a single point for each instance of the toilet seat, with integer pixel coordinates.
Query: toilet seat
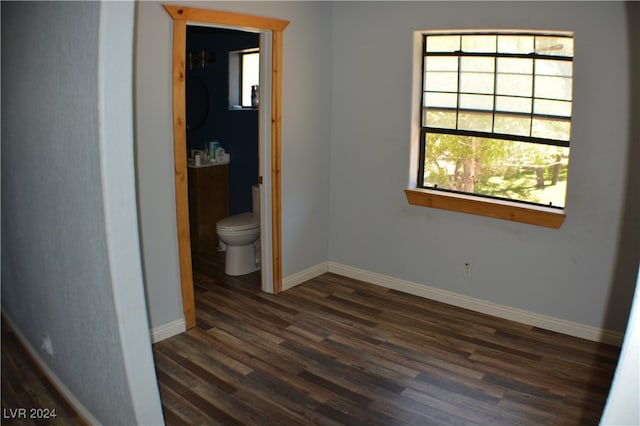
(239, 222)
(239, 237)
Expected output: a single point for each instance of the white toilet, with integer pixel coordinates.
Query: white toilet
(240, 237)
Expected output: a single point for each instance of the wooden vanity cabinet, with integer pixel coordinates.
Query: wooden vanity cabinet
(208, 203)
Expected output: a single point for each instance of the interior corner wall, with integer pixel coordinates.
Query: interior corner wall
(154, 163)
(622, 403)
(57, 268)
(565, 273)
(305, 142)
(115, 97)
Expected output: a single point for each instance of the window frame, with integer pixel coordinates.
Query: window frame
(473, 203)
(243, 55)
(236, 78)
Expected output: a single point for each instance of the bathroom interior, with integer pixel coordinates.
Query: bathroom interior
(222, 100)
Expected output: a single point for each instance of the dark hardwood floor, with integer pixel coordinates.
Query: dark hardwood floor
(27, 394)
(339, 351)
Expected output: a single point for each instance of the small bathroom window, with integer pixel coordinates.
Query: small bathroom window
(244, 76)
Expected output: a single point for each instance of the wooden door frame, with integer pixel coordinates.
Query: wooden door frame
(182, 15)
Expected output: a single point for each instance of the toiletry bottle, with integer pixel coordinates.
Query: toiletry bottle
(220, 155)
(254, 96)
(213, 147)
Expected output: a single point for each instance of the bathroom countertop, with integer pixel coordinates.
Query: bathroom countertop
(191, 163)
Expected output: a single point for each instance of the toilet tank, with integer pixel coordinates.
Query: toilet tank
(255, 199)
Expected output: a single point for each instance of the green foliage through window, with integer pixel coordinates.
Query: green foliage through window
(515, 170)
(496, 114)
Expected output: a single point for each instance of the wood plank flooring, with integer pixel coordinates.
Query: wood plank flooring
(339, 351)
(24, 386)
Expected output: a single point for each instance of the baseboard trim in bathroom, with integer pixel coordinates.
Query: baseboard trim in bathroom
(168, 330)
(304, 275)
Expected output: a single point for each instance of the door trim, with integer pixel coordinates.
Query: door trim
(182, 15)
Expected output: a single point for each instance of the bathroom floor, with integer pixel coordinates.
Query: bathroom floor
(208, 271)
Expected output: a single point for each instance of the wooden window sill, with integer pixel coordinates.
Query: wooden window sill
(498, 209)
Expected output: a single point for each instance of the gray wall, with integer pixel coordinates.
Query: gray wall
(154, 163)
(565, 273)
(346, 143)
(305, 143)
(622, 404)
(70, 252)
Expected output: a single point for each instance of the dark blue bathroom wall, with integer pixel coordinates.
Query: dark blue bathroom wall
(236, 130)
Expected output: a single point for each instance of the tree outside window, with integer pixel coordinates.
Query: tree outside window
(496, 114)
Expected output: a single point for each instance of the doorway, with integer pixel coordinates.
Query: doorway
(222, 74)
(270, 31)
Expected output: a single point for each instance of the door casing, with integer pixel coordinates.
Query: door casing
(181, 16)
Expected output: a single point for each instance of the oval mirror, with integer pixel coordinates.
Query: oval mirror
(197, 102)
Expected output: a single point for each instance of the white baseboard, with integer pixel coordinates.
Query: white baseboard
(57, 383)
(479, 305)
(305, 275)
(168, 330)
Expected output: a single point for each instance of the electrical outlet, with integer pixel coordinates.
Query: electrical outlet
(47, 346)
(467, 269)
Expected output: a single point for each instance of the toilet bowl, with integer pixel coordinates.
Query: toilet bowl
(240, 238)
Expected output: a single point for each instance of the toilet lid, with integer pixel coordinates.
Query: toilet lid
(239, 222)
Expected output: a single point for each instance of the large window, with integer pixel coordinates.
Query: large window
(496, 115)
